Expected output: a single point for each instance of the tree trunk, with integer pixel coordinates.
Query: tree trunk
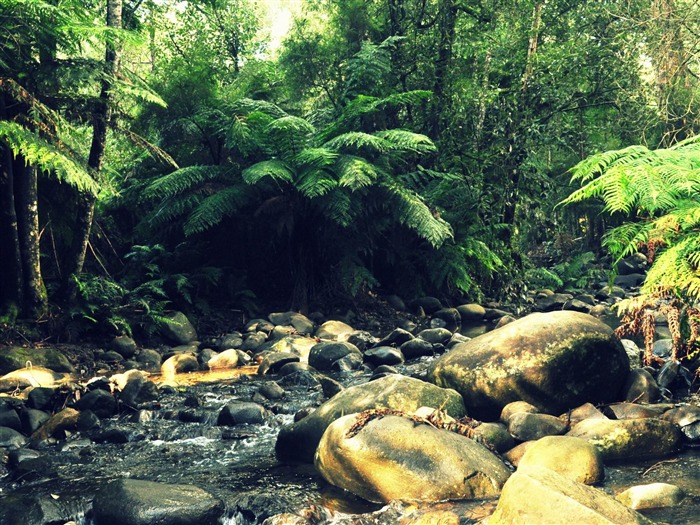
(86, 201)
(446, 28)
(34, 291)
(10, 262)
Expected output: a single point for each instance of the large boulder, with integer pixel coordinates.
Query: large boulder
(137, 502)
(555, 361)
(540, 495)
(393, 457)
(298, 442)
(573, 458)
(16, 357)
(179, 329)
(629, 438)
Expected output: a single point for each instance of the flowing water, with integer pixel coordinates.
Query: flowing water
(179, 442)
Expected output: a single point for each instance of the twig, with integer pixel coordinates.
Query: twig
(658, 464)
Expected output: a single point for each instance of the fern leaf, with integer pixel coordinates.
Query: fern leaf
(314, 183)
(275, 169)
(317, 158)
(403, 140)
(215, 208)
(182, 180)
(357, 141)
(356, 172)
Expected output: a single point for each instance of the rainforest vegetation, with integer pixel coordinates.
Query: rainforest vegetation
(210, 155)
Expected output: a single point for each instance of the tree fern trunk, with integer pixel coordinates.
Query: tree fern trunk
(11, 274)
(86, 201)
(35, 298)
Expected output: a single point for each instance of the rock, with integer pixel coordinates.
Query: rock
(228, 341)
(273, 362)
(301, 323)
(101, 402)
(524, 426)
(554, 361)
(9, 417)
(383, 355)
(11, 438)
(137, 502)
(687, 418)
(416, 347)
(15, 357)
(515, 454)
(392, 457)
(330, 387)
(271, 390)
(396, 302)
(471, 312)
(178, 329)
(494, 435)
(32, 420)
(66, 419)
(137, 390)
(396, 337)
(538, 495)
(31, 509)
(551, 303)
(629, 438)
(179, 364)
(225, 359)
(35, 376)
(633, 353)
(514, 408)
(334, 331)
(350, 362)
(149, 360)
(633, 411)
(573, 458)
(651, 496)
(362, 339)
(40, 397)
(663, 348)
(641, 387)
(631, 280)
(428, 305)
(324, 354)
(450, 316)
(436, 336)
(124, 346)
(577, 305)
(506, 319)
(635, 263)
(241, 413)
(578, 414)
(297, 442)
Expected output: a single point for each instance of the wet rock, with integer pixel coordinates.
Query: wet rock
(396, 337)
(450, 316)
(40, 398)
(32, 419)
(330, 387)
(225, 359)
(137, 391)
(607, 292)
(524, 426)
(324, 354)
(540, 359)
(66, 419)
(31, 509)
(635, 263)
(416, 347)
(651, 496)
(435, 335)
(631, 280)
(114, 435)
(551, 303)
(629, 438)
(494, 435)
(362, 339)
(149, 360)
(540, 495)
(427, 305)
(668, 373)
(273, 362)
(334, 331)
(383, 355)
(16, 456)
(506, 319)
(298, 442)
(228, 341)
(87, 421)
(254, 341)
(9, 417)
(15, 357)
(136, 502)
(259, 325)
(124, 346)
(573, 458)
(102, 403)
(633, 411)
(469, 313)
(576, 305)
(687, 418)
(516, 407)
(641, 387)
(663, 348)
(241, 413)
(634, 353)
(301, 323)
(179, 364)
(578, 414)
(271, 390)
(455, 339)
(178, 329)
(348, 363)
(394, 458)
(11, 438)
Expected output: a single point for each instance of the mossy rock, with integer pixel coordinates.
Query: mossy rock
(16, 357)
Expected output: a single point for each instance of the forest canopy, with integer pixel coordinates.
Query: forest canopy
(210, 154)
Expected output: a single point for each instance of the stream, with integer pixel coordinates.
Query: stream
(177, 440)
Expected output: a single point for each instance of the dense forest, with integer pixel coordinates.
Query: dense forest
(238, 154)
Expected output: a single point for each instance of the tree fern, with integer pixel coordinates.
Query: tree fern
(277, 170)
(356, 172)
(183, 180)
(403, 140)
(356, 142)
(216, 207)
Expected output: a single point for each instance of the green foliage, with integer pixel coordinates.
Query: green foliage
(661, 190)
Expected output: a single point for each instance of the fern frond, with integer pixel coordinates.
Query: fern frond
(338, 207)
(47, 157)
(173, 208)
(356, 172)
(216, 207)
(415, 214)
(182, 180)
(676, 269)
(288, 135)
(317, 158)
(314, 183)
(357, 141)
(626, 239)
(275, 169)
(403, 140)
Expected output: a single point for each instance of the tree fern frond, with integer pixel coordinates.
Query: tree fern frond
(626, 239)
(414, 213)
(216, 207)
(338, 207)
(356, 141)
(314, 183)
(47, 157)
(356, 172)
(676, 269)
(173, 208)
(317, 158)
(275, 169)
(403, 140)
(288, 136)
(184, 179)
